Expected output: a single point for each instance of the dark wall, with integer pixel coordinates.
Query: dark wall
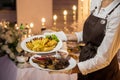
(8, 4)
(8, 10)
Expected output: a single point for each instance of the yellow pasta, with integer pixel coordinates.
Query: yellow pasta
(41, 44)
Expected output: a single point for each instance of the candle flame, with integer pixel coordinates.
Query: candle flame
(55, 17)
(31, 25)
(43, 20)
(65, 12)
(74, 7)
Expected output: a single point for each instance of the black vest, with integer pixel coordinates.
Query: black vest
(93, 34)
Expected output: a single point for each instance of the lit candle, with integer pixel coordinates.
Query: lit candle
(74, 9)
(16, 27)
(29, 35)
(43, 21)
(74, 13)
(43, 24)
(65, 12)
(30, 29)
(65, 16)
(31, 25)
(5, 26)
(54, 18)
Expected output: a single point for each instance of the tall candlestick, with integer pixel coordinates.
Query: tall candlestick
(31, 25)
(65, 20)
(43, 20)
(54, 23)
(54, 18)
(65, 16)
(74, 13)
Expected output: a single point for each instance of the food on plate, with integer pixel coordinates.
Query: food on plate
(51, 62)
(53, 36)
(43, 44)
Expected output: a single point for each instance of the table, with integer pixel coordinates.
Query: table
(8, 71)
(36, 74)
(31, 73)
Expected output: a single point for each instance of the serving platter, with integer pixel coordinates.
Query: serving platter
(24, 47)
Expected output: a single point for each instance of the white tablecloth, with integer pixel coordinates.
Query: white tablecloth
(36, 74)
(8, 69)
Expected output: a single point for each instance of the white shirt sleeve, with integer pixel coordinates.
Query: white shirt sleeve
(102, 58)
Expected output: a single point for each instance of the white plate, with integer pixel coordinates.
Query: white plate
(72, 64)
(24, 47)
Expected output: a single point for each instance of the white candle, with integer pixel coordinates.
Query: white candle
(54, 18)
(29, 35)
(65, 16)
(43, 24)
(74, 12)
(74, 7)
(5, 26)
(31, 25)
(43, 21)
(16, 27)
(65, 12)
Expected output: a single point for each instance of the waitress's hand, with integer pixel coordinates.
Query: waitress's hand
(75, 70)
(71, 71)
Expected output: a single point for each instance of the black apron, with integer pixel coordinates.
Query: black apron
(93, 34)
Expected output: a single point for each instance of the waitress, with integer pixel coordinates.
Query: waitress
(95, 62)
(98, 32)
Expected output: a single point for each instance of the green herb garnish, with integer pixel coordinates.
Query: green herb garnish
(52, 37)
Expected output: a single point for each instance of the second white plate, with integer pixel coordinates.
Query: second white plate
(72, 64)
